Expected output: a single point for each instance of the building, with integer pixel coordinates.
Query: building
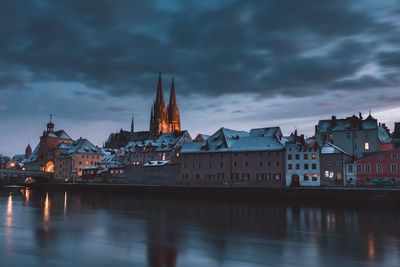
(121, 138)
(381, 165)
(354, 135)
(161, 172)
(302, 162)
(235, 158)
(333, 160)
(43, 156)
(165, 147)
(72, 158)
(164, 119)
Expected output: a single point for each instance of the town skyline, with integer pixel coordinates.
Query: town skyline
(275, 63)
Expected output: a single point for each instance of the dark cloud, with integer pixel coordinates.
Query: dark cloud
(98, 60)
(230, 47)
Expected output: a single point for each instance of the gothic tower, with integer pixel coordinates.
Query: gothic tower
(173, 111)
(159, 114)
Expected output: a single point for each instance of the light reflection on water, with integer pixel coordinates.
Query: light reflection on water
(74, 229)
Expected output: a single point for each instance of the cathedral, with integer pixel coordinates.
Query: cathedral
(163, 119)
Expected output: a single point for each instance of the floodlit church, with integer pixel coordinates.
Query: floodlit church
(163, 119)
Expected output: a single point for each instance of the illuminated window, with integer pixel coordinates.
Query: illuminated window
(306, 177)
(366, 146)
(314, 177)
(326, 174)
(314, 156)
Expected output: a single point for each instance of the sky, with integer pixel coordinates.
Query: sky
(236, 64)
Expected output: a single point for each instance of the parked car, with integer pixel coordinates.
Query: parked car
(383, 182)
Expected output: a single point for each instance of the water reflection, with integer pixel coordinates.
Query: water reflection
(121, 230)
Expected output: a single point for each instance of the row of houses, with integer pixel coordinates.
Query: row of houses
(343, 152)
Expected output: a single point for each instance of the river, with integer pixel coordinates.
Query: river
(92, 229)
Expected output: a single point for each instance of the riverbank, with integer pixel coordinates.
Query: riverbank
(327, 194)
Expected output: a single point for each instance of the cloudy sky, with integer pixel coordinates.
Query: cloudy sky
(237, 64)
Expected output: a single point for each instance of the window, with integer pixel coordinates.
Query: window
(314, 166)
(289, 156)
(221, 165)
(358, 168)
(393, 168)
(209, 165)
(277, 176)
(314, 156)
(366, 146)
(290, 167)
(306, 166)
(246, 176)
(379, 168)
(277, 163)
(314, 177)
(305, 156)
(297, 156)
(297, 166)
(260, 164)
(306, 177)
(367, 168)
(235, 164)
(394, 155)
(350, 168)
(246, 164)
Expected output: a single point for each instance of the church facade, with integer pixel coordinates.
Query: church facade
(163, 119)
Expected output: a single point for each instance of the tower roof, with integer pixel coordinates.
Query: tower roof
(172, 98)
(160, 96)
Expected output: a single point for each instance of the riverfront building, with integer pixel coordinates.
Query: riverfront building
(302, 162)
(230, 157)
(381, 165)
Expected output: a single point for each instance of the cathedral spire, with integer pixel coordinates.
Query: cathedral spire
(132, 125)
(173, 111)
(160, 96)
(172, 98)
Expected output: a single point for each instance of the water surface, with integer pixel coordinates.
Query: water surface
(89, 229)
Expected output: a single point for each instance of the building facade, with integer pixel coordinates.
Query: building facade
(165, 147)
(164, 119)
(44, 155)
(382, 165)
(355, 135)
(73, 158)
(302, 162)
(235, 158)
(332, 165)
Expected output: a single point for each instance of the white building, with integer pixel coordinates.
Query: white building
(302, 163)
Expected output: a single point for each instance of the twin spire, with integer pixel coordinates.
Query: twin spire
(164, 119)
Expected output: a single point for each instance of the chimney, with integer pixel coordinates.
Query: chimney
(360, 115)
(333, 121)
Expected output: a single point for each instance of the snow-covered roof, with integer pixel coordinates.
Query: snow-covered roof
(166, 142)
(154, 163)
(383, 135)
(329, 148)
(80, 146)
(348, 123)
(225, 140)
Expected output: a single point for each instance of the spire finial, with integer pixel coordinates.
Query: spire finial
(51, 117)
